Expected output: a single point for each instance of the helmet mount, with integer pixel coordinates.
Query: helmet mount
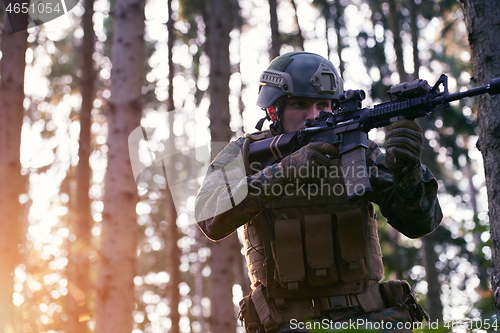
(324, 80)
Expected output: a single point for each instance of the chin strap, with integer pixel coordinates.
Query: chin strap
(276, 128)
(260, 123)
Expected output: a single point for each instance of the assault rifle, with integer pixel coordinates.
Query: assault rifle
(348, 125)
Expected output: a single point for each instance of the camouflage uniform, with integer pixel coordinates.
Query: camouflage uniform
(311, 244)
(408, 201)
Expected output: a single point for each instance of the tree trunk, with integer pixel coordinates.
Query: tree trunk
(339, 24)
(222, 279)
(482, 272)
(299, 30)
(13, 46)
(199, 281)
(79, 255)
(115, 286)
(398, 42)
(325, 10)
(414, 37)
(434, 305)
(223, 319)
(275, 33)
(170, 46)
(483, 21)
(171, 237)
(238, 25)
(172, 234)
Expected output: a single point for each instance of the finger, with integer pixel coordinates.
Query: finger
(396, 164)
(405, 123)
(325, 148)
(402, 156)
(404, 143)
(407, 133)
(320, 159)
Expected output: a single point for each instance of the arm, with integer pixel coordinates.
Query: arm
(228, 198)
(409, 200)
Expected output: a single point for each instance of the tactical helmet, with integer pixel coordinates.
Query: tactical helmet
(301, 74)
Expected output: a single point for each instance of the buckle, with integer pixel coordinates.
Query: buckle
(342, 302)
(252, 328)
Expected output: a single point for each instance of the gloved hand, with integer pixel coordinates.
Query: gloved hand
(404, 145)
(300, 165)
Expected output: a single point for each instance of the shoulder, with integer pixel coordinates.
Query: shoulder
(229, 152)
(257, 136)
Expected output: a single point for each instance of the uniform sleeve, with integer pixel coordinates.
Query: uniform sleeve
(228, 198)
(408, 201)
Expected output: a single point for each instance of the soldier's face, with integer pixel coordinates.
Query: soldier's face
(299, 109)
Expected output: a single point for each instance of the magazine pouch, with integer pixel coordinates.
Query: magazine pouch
(398, 293)
(266, 310)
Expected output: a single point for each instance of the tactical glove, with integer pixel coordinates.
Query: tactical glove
(404, 145)
(303, 164)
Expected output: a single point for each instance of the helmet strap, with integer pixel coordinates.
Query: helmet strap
(273, 114)
(276, 128)
(260, 123)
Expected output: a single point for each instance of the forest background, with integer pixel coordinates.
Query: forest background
(87, 247)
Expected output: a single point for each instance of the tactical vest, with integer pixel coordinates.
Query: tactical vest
(308, 245)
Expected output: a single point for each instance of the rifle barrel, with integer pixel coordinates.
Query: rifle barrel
(493, 88)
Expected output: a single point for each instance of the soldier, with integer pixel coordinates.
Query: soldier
(314, 260)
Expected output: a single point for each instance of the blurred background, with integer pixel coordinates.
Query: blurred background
(81, 242)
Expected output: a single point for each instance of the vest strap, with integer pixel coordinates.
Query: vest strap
(369, 300)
